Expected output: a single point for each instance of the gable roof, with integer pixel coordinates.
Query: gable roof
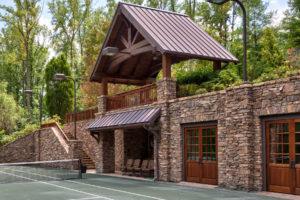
(166, 33)
(175, 33)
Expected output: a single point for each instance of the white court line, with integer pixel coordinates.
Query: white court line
(86, 198)
(86, 193)
(101, 187)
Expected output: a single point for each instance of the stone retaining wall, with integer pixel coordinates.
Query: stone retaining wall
(41, 145)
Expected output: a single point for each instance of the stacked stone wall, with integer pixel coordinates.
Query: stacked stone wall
(42, 145)
(237, 112)
(90, 145)
(21, 150)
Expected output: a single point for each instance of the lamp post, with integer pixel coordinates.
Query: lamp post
(60, 77)
(221, 2)
(31, 92)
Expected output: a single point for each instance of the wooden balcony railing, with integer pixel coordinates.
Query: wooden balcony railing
(140, 96)
(82, 115)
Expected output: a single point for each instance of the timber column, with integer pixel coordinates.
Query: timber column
(166, 91)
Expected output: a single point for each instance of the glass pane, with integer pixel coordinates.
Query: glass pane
(273, 158)
(196, 132)
(209, 140)
(213, 140)
(204, 132)
(272, 128)
(286, 159)
(297, 126)
(196, 140)
(276, 148)
(286, 148)
(278, 158)
(286, 138)
(278, 128)
(208, 148)
(298, 137)
(297, 148)
(208, 157)
(204, 148)
(213, 148)
(286, 127)
(213, 157)
(208, 132)
(204, 157)
(297, 159)
(196, 148)
(213, 131)
(275, 138)
(204, 140)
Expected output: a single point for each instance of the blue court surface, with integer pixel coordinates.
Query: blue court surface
(101, 187)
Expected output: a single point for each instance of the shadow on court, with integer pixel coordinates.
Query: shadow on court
(98, 187)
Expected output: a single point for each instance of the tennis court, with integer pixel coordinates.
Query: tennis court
(48, 181)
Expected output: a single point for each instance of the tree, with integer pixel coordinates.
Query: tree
(272, 55)
(67, 18)
(291, 24)
(23, 20)
(59, 94)
(10, 111)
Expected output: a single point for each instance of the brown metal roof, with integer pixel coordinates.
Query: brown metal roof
(176, 33)
(152, 32)
(125, 119)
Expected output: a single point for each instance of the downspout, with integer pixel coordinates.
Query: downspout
(155, 134)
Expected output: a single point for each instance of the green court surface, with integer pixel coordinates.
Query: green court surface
(101, 187)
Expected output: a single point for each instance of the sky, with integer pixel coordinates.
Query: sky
(274, 5)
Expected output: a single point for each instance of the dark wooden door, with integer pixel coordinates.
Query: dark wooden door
(201, 155)
(283, 156)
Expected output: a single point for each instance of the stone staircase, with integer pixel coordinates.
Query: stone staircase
(86, 159)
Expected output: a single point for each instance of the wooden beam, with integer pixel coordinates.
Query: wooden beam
(166, 65)
(134, 78)
(124, 57)
(217, 65)
(104, 87)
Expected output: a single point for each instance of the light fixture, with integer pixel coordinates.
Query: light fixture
(219, 2)
(110, 51)
(28, 92)
(59, 77)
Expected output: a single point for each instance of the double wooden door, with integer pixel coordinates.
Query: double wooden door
(201, 155)
(283, 156)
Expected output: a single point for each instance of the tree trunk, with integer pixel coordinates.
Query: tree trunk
(28, 78)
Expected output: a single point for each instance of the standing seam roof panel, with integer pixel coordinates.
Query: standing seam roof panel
(173, 32)
(202, 39)
(126, 118)
(154, 36)
(159, 31)
(212, 40)
(186, 39)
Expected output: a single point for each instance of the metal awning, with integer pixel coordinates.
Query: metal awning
(126, 119)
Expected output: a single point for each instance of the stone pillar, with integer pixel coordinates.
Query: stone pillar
(166, 89)
(119, 151)
(236, 140)
(101, 105)
(106, 163)
(164, 144)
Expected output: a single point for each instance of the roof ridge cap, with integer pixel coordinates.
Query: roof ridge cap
(150, 8)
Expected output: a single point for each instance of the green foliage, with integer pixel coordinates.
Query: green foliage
(291, 24)
(55, 118)
(59, 94)
(11, 113)
(6, 139)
